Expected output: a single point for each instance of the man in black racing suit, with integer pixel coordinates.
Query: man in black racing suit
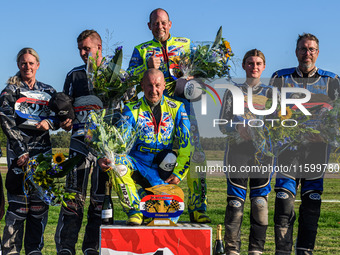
(70, 218)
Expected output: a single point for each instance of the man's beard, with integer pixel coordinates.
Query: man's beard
(307, 66)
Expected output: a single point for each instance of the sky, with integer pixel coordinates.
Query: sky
(51, 28)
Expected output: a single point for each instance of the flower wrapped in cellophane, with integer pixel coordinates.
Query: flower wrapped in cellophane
(45, 174)
(206, 60)
(108, 79)
(109, 135)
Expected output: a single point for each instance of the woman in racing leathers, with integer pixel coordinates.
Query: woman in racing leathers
(240, 154)
(25, 120)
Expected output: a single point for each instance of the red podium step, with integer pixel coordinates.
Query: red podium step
(185, 239)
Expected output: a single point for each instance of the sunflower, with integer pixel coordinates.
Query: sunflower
(58, 158)
(289, 114)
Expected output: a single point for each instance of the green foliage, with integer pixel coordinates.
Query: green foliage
(110, 82)
(214, 143)
(327, 240)
(3, 138)
(61, 139)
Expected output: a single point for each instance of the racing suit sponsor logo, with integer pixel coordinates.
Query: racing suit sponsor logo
(125, 194)
(183, 40)
(137, 105)
(189, 89)
(282, 195)
(315, 196)
(235, 203)
(260, 202)
(171, 104)
(22, 210)
(37, 208)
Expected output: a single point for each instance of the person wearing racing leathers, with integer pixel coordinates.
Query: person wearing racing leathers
(313, 151)
(160, 119)
(26, 137)
(240, 153)
(70, 218)
(159, 53)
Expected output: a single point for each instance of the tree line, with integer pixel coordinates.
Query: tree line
(62, 139)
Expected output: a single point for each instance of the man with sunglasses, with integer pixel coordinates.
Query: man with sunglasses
(313, 151)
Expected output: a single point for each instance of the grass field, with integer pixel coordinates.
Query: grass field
(329, 224)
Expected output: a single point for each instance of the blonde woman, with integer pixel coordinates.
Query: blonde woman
(26, 126)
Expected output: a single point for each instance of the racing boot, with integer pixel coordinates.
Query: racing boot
(135, 219)
(303, 252)
(91, 252)
(199, 217)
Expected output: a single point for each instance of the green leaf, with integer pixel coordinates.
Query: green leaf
(43, 166)
(68, 165)
(115, 66)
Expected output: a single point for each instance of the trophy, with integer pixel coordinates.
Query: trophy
(165, 203)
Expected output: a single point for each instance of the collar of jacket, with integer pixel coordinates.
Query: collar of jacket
(170, 39)
(146, 102)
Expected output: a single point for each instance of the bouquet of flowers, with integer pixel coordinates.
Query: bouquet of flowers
(273, 138)
(44, 174)
(110, 135)
(109, 80)
(205, 61)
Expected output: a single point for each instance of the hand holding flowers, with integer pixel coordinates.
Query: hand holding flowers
(44, 174)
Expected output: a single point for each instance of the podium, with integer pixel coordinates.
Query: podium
(185, 239)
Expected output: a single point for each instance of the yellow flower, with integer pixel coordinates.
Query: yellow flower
(58, 158)
(176, 59)
(228, 48)
(227, 45)
(289, 114)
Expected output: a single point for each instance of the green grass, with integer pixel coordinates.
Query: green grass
(327, 241)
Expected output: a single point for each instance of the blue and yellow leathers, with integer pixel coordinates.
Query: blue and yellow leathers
(152, 139)
(243, 155)
(175, 46)
(310, 153)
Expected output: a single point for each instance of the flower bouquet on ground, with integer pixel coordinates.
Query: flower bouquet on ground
(109, 81)
(110, 135)
(44, 174)
(206, 61)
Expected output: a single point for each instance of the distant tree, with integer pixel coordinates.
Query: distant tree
(213, 143)
(61, 139)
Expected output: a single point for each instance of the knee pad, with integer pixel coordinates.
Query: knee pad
(259, 210)
(234, 211)
(284, 208)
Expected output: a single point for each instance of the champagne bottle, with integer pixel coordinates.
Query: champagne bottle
(107, 209)
(219, 247)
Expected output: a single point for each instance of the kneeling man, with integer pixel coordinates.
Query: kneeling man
(161, 120)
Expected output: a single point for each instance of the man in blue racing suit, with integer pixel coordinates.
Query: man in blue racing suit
(314, 151)
(160, 119)
(160, 53)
